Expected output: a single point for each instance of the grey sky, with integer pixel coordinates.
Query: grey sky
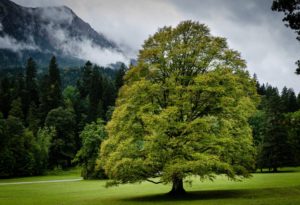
(250, 26)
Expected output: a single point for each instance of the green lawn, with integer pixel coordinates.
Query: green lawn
(262, 189)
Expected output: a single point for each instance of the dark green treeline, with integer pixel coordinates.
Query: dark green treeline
(43, 114)
(276, 128)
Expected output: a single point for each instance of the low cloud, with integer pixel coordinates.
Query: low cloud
(101, 56)
(86, 49)
(83, 48)
(79, 47)
(8, 42)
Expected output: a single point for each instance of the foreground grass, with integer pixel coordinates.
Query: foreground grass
(262, 189)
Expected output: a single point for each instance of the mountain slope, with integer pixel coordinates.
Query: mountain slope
(47, 31)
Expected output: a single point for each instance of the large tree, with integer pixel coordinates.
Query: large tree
(291, 9)
(183, 111)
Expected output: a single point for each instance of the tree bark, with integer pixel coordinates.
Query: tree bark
(177, 187)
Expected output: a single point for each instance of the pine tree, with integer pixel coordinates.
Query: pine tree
(50, 89)
(95, 95)
(289, 100)
(33, 119)
(84, 84)
(5, 96)
(19, 92)
(109, 94)
(44, 107)
(55, 93)
(31, 83)
(119, 80)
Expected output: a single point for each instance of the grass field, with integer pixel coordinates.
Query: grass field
(262, 189)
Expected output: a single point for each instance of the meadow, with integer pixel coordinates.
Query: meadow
(281, 188)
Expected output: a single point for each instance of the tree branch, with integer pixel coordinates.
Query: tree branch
(154, 182)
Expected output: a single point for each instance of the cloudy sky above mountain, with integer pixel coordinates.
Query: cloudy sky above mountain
(250, 26)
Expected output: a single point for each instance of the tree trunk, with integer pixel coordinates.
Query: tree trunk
(177, 187)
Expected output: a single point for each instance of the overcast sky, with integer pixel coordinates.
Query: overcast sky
(250, 26)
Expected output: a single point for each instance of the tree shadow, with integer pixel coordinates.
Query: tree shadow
(217, 194)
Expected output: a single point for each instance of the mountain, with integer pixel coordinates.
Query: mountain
(45, 31)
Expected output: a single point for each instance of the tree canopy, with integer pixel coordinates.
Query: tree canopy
(183, 111)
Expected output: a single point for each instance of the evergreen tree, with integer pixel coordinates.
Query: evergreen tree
(33, 119)
(7, 160)
(20, 93)
(44, 107)
(289, 100)
(84, 84)
(55, 93)
(32, 95)
(109, 95)
(5, 96)
(95, 96)
(119, 80)
(50, 86)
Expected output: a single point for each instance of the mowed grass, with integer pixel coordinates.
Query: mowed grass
(262, 189)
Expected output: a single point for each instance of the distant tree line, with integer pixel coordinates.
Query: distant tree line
(276, 128)
(41, 116)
